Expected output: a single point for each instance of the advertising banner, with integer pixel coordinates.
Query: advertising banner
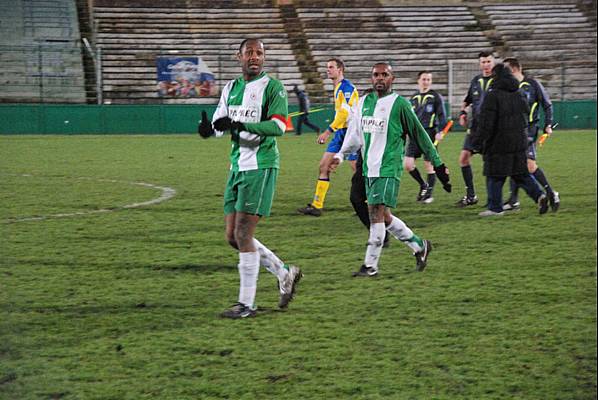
(184, 77)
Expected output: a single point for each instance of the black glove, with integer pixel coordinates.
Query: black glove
(205, 126)
(442, 173)
(225, 123)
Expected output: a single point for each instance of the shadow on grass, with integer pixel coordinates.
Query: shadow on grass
(202, 268)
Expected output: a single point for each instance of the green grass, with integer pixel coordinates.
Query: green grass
(125, 304)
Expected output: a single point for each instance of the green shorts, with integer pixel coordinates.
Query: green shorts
(382, 191)
(250, 192)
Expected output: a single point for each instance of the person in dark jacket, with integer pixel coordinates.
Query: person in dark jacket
(502, 140)
(304, 110)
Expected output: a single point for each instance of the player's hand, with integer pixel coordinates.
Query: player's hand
(438, 137)
(226, 124)
(323, 137)
(442, 173)
(334, 163)
(548, 130)
(463, 120)
(204, 128)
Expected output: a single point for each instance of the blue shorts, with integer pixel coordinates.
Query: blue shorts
(337, 142)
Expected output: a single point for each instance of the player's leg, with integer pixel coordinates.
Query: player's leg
(538, 174)
(254, 194)
(431, 181)
(470, 197)
(381, 192)
(317, 204)
(288, 275)
(358, 197)
(315, 207)
(411, 154)
(375, 241)
(299, 127)
(231, 193)
(529, 184)
(513, 202)
(243, 226)
(421, 247)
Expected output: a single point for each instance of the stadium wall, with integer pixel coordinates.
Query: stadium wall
(180, 119)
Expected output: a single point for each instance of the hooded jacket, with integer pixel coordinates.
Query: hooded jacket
(502, 133)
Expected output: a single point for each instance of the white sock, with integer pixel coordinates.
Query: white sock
(400, 231)
(249, 268)
(269, 260)
(375, 241)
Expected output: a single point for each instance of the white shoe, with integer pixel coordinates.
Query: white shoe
(490, 213)
(288, 286)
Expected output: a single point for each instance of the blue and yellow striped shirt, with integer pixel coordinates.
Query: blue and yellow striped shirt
(345, 96)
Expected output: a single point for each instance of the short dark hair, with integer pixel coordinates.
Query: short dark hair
(485, 53)
(513, 62)
(244, 42)
(420, 73)
(340, 64)
(383, 63)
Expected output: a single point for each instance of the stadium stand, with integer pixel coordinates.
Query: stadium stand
(133, 34)
(411, 38)
(555, 42)
(40, 52)
(42, 58)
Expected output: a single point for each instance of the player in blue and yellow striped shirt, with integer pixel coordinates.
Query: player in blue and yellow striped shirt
(345, 96)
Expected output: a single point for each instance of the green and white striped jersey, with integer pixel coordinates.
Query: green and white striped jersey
(261, 104)
(379, 126)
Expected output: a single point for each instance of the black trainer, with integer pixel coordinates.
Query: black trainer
(467, 201)
(310, 210)
(427, 198)
(421, 257)
(511, 206)
(543, 204)
(422, 193)
(366, 271)
(554, 201)
(238, 310)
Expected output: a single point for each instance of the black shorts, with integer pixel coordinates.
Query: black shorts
(532, 135)
(467, 143)
(413, 149)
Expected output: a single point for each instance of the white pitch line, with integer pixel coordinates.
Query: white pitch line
(167, 194)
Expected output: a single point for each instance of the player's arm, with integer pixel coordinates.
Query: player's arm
(342, 108)
(466, 103)
(416, 132)
(353, 138)
(441, 115)
(546, 106)
(275, 122)
(342, 113)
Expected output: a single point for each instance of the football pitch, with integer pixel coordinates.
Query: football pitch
(114, 269)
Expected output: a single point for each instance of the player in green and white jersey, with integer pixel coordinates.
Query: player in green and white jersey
(254, 108)
(379, 126)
